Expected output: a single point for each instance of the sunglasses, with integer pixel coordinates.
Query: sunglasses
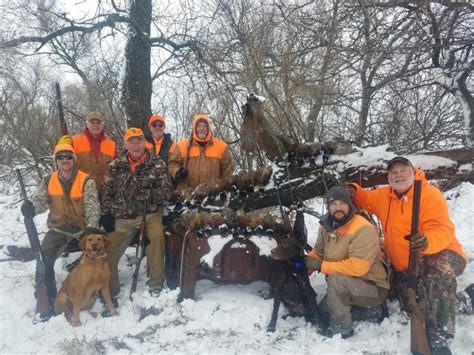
(157, 124)
(64, 157)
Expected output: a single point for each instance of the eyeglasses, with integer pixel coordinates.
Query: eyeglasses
(64, 157)
(157, 124)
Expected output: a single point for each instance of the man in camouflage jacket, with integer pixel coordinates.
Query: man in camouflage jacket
(72, 199)
(136, 181)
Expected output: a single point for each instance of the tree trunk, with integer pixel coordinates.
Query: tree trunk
(136, 91)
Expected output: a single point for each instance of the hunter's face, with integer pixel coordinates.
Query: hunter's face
(339, 209)
(95, 126)
(401, 177)
(157, 129)
(135, 147)
(201, 130)
(65, 161)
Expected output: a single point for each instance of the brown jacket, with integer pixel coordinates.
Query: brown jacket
(352, 249)
(207, 161)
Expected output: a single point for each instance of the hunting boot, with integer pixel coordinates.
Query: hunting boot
(345, 332)
(369, 314)
(441, 351)
(470, 291)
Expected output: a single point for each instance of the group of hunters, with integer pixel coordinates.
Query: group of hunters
(94, 187)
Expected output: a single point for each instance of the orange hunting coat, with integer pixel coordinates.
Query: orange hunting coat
(395, 215)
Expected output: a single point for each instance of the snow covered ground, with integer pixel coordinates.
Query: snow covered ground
(222, 319)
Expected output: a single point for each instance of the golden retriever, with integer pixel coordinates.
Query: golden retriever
(81, 286)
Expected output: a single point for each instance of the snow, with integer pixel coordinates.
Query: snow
(222, 319)
(379, 155)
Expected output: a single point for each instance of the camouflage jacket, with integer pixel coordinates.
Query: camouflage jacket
(123, 193)
(41, 200)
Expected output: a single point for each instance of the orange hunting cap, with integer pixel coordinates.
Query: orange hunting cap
(133, 132)
(154, 118)
(64, 148)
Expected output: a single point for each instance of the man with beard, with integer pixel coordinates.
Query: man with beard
(348, 252)
(442, 256)
(162, 143)
(201, 158)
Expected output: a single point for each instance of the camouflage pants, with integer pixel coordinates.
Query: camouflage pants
(120, 239)
(436, 294)
(53, 245)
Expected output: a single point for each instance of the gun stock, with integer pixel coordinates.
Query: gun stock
(418, 340)
(41, 290)
(190, 142)
(140, 253)
(59, 103)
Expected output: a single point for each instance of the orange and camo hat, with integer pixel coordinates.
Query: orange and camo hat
(154, 118)
(60, 148)
(133, 132)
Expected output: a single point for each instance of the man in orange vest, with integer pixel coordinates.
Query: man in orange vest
(162, 142)
(93, 149)
(442, 256)
(72, 199)
(348, 252)
(201, 158)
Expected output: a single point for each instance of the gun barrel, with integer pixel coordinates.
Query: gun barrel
(59, 103)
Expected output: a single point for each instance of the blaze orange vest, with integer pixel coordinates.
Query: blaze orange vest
(67, 211)
(97, 168)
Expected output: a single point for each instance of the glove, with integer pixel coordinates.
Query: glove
(312, 263)
(66, 139)
(27, 209)
(108, 222)
(418, 242)
(181, 174)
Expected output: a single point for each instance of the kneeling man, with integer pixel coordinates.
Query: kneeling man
(348, 252)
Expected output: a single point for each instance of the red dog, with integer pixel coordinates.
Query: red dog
(92, 275)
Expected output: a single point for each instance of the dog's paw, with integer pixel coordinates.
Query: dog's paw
(114, 312)
(76, 323)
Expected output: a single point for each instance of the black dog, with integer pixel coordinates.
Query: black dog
(291, 284)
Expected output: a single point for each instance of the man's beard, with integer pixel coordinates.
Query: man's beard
(341, 218)
(340, 221)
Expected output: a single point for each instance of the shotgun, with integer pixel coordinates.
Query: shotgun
(59, 103)
(418, 340)
(140, 253)
(190, 142)
(41, 290)
(284, 216)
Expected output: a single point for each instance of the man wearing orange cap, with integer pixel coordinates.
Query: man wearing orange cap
(137, 184)
(442, 256)
(201, 158)
(93, 149)
(162, 142)
(73, 203)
